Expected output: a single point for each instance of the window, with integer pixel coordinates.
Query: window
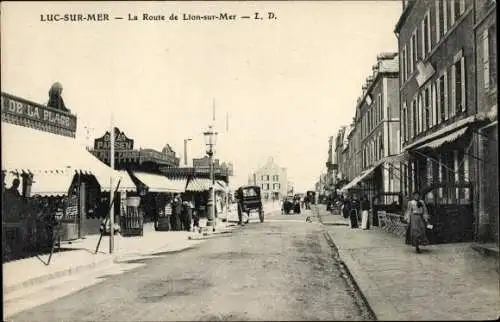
(441, 18)
(380, 146)
(426, 34)
(380, 108)
(443, 97)
(413, 51)
(267, 186)
(489, 57)
(457, 95)
(276, 178)
(426, 120)
(404, 67)
(420, 113)
(435, 112)
(404, 122)
(457, 8)
(414, 117)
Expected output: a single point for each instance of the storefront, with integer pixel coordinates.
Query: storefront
(49, 180)
(156, 192)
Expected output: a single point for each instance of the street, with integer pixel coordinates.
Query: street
(282, 269)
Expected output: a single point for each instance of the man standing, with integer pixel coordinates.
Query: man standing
(177, 213)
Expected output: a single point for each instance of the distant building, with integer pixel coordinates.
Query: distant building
(203, 164)
(272, 179)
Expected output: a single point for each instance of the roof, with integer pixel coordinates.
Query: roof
(160, 183)
(32, 151)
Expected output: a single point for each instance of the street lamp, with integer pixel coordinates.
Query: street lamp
(185, 150)
(210, 141)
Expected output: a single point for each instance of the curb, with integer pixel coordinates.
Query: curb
(365, 306)
(62, 273)
(108, 260)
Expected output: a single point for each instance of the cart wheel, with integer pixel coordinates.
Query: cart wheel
(261, 215)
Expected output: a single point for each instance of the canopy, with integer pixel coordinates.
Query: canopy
(126, 183)
(199, 184)
(359, 178)
(449, 128)
(33, 151)
(159, 183)
(448, 138)
(52, 183)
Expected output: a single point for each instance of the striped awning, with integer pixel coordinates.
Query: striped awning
(448, 138)
(360, 178)
(51, 183)
(199, 184)
(25, 150)
(158, 183)
(126, 183)
(179, 183)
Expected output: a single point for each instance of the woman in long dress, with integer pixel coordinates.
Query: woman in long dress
(417, 217)
(365, 209)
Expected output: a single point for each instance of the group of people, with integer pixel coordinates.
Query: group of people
(416, 215)
(182, 214)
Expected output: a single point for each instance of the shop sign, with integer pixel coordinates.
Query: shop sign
(119, 155)
(70, 212)
(122, 142)
(27, 112)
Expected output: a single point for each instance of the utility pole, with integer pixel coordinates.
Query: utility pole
(111, 188)
(185, 150)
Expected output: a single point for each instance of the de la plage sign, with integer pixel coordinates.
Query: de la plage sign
(16, 106)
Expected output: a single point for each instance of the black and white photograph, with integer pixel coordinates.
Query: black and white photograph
(327, 160)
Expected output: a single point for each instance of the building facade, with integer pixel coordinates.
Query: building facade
(331, 166)
(442, 91)
(272, 179)
(374, 135)
(338, 159)
(486, 139)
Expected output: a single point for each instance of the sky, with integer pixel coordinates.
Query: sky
(285, 85)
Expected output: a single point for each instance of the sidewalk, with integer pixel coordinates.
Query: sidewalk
(80, 256)
(446, 282)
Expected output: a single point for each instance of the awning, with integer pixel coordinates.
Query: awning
(126, 183)
(359, 178)
(395, 158)
(30, 151)
(448, 138)
(199, 184)
(158, 183)
(51, 183)
(179, 183)
(449, 128)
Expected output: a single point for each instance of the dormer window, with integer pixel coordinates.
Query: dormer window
(368, 99)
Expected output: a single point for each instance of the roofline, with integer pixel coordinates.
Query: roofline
(403, 17)
(374, 81)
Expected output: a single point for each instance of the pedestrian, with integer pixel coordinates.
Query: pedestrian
(365, 208)
(195, 216)
(177, 213)
(346, 207)
(417, 217)
(187, 215)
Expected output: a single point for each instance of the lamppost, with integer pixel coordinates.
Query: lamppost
(210, 141)
(185, 150)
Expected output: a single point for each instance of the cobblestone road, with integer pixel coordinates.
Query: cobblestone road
(278, 270)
